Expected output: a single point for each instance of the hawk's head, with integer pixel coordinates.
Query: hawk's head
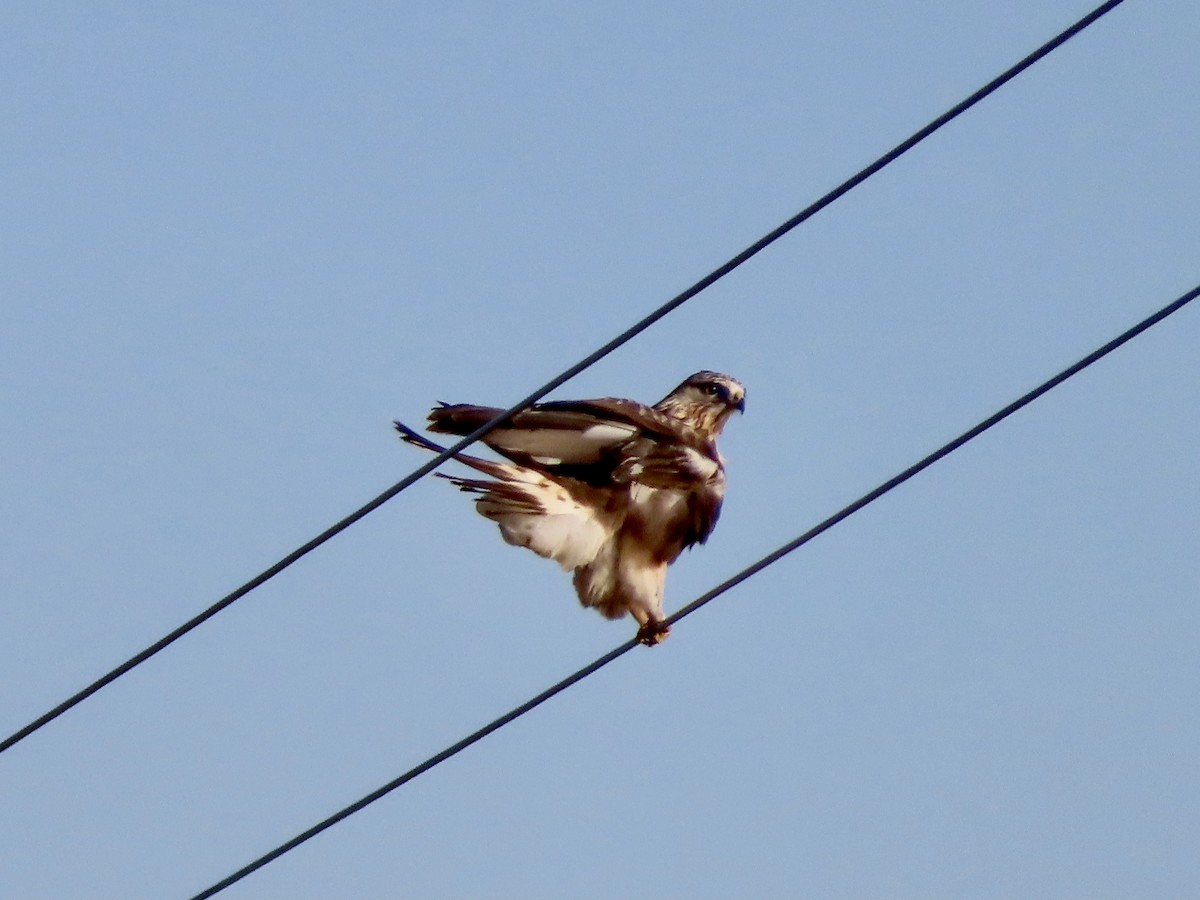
(705, 401)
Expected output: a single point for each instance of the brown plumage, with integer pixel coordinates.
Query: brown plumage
(611, 489)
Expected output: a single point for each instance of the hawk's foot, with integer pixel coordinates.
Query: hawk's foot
(653, 632)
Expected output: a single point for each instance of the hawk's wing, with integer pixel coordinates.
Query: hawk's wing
(558, 520)
(593, 441)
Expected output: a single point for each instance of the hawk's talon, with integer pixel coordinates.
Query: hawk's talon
(653, 632)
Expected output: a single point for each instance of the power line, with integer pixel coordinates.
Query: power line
(627, 335)
(753, 569)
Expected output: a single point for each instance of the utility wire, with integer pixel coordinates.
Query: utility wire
(753, 569)
(625, 336)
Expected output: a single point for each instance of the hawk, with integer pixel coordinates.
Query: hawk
(612, 489)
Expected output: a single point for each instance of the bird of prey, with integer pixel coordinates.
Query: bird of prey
(612, 489)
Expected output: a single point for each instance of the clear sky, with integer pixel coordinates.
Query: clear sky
(238, 239)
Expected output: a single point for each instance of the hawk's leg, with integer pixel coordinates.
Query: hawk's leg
(653, 631)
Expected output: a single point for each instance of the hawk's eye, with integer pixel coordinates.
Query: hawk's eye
(712, 389)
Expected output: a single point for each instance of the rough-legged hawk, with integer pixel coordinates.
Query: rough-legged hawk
(612, 489)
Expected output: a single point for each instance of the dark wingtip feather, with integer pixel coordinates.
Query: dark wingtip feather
(409, 436)
(459, 418)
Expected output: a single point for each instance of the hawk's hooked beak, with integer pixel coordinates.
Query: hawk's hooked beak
(740, 406)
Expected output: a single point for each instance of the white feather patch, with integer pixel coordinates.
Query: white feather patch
(569, 540)
(552, 446)
(644, 589)
(656, 504)
(704, 466)
(562, 529)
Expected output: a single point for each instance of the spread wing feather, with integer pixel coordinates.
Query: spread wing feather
(538, 436)
(531, 509)
(584, 439)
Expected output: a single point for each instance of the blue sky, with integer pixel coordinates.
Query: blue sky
(239, 239)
